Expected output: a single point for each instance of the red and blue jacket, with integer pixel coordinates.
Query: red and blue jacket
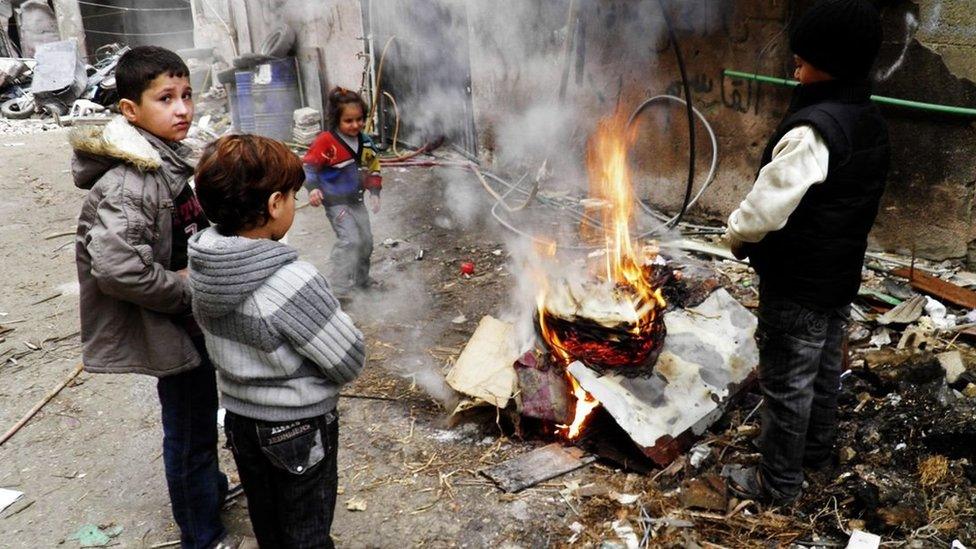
(332, 166)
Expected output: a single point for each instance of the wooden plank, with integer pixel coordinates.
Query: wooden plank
(537, 466)
(936, 287)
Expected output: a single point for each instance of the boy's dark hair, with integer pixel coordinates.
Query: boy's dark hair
(140, 65)
(236, 176)
(338, 99)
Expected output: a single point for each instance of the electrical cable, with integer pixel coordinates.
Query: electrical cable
(231, 36)
(396, 127)
(108, 33)
(689, 110)
(376, 90)
(674, 220)
(124, 8)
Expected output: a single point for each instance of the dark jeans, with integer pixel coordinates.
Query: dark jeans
(196, 485)
(800, 361)
(290, 476)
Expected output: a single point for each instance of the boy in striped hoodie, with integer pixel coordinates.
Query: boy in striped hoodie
(281, 344)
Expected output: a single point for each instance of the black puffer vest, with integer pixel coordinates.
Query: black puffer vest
(816, 259)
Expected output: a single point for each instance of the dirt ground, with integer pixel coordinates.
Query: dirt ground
(92, 456)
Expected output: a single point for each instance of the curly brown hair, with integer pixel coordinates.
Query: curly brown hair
(236, 176)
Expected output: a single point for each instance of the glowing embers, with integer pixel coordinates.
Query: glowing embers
(606, 326)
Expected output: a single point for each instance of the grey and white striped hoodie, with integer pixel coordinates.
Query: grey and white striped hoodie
(277, 336)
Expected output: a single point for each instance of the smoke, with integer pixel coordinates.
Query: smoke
(533, 78)
(394, 313)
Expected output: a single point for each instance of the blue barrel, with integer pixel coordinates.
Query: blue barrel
(244, 117)
(275, 94)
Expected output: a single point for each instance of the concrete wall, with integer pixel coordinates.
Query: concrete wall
(929, 55)
(622, 55)
(334, 27)
(931, 46)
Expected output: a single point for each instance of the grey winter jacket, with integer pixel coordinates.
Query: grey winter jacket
(131, 303)
(280, 342)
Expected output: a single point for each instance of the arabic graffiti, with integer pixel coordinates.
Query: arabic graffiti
(735, 94)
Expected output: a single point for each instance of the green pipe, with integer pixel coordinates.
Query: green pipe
(933, 107)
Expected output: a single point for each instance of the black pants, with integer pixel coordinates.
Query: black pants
(800, 360)
(290, 476)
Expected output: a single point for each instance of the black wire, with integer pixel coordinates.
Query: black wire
(691, 115)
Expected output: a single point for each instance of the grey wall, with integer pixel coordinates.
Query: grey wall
(516, 54)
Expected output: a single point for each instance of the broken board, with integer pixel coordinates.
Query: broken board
(946, 291)
(537, 466)
(709, 354)
(486, 368)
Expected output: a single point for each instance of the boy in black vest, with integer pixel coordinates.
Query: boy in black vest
(804, 227)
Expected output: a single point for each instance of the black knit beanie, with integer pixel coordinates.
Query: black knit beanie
(839, 37)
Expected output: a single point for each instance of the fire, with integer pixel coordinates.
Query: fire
(614, 320)
(585, 404)
(610, 181)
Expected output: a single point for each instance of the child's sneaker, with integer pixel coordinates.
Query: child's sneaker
(747, 483)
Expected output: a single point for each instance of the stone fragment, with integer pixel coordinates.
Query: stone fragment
(952, 363)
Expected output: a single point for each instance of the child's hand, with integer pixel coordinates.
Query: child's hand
(374, 203)
(315, 198)
(185, 273)
(738, 249)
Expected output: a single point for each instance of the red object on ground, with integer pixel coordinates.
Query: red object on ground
(467, 268)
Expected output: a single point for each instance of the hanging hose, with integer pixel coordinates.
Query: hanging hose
(376, 90)
(396, 127)
(673, 221)
(689, 110)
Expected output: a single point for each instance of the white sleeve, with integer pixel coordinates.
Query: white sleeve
(799, 161)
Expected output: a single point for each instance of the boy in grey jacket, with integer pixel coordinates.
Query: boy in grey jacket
(280, 342)
(130, 252)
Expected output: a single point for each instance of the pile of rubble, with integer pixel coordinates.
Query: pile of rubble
(56, 88)
(57, 83)
(905, 469)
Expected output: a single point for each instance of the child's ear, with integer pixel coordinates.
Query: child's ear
(275, 203)
(129, 109)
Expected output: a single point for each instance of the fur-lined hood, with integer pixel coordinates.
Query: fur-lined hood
(98, 149)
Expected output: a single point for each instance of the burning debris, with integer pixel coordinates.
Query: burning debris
(708, 356)
(604, 341)
(612, 320)
(607, 325)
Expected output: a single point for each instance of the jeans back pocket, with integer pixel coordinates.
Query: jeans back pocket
(295, 446)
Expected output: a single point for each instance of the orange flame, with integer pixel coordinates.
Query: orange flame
(585, 404)
(612, 201)
(609, 174)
